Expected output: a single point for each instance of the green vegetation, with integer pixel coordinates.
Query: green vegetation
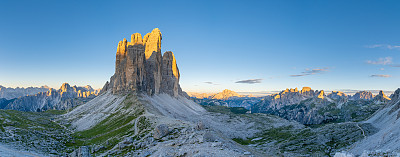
(32, 129)
(36, 128)
(111, 130)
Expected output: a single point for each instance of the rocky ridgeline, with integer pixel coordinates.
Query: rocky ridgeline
(365, 95)
(226, 98)
(11, 93)
(224, 95)
(64, 98)
(315, 107)
(139, 67)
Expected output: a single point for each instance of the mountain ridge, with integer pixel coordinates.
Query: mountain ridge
(65, 97)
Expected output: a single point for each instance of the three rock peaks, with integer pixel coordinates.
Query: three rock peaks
(139, 67)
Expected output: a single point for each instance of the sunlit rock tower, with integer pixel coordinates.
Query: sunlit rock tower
(139, 67)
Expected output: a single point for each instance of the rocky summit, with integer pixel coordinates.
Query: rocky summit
(140, 67)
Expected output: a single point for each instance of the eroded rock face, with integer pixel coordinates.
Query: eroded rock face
(170, 74)
(140, 67)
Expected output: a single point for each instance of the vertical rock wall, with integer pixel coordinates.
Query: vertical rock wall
(140, 67)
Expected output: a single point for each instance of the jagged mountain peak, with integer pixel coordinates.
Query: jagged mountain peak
(65, 87)
(363, 95)
(140, 67)
(320, 94)
(381, 98)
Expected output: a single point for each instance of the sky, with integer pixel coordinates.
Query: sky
(245, 46)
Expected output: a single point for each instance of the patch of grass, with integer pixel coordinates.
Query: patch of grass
(56, 112)
(243, 141)
(278, 134)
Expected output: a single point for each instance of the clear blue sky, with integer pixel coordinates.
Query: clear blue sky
(284, 44)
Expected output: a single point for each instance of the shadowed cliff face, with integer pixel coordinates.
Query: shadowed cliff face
(140, 67)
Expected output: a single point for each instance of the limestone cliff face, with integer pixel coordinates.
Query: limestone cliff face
(170, 74)
(140, 67)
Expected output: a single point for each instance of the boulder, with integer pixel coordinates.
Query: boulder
(160, 131)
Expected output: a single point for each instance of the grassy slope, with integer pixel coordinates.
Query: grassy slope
(114, 128)
(108, 133)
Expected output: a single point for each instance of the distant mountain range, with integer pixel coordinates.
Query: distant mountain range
(315, 107)
(225, 94)
(306, 106)
(35, 99)
(226, 98)
(11, 93)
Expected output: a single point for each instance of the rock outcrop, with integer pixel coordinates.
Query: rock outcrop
(139, 67)
(307, 91)
(337, 95)
(381, 98)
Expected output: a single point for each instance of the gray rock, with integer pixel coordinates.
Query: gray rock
(81, 152)
(209, 137)
(200, 126)
(160, 131)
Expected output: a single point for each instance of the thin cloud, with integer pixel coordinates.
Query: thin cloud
(250, 81)
(384, 46)
(211, 83)
(395, 65)
(379, 75)
(381, 61)
(311, 72)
